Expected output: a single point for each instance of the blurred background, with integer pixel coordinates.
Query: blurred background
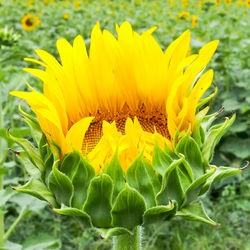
(28, 24)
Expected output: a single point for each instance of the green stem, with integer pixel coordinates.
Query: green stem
(18, 219)
(127, 241)
(1, 176)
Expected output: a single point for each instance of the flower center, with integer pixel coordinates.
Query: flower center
(29, 22)
(150, 121)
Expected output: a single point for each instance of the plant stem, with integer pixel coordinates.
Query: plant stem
(127, 241)
(1, 175)
(18, 219)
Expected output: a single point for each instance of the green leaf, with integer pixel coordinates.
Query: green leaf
(37, 189)
(60, 185)
(70, 163)
(192, 153)
(195, 212)
(128, 209)
(80, 180)
(31, 169)
(5, 195)
(32, 152)
(138, 178)
(114, 170)
(161, 160)
(82, 216)
(194, 189)
(214, 136)
(99, 200)
(155, 180)
(197, 131)
(220, 173)
(159, 213)
(48, 168)
(107, 233)
(171, 185)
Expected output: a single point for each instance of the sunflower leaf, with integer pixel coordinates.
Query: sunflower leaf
(99, 201)
(195, 212)
(128, 209)
(138, 178)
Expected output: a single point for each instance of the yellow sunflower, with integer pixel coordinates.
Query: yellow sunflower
(228, 2)
(30, 22)
(248, 3)
(183, 15)
(122, 97)
(77, 4)
(65, 16)
(200, 3)
(194, 21)
(217, 2)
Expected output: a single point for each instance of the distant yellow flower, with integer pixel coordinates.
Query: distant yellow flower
(46, 2)
(240, 4)
(194, 21)
(30, 22)
(122, 96)
(77, 4)
(30, 3)
(200, 4)
(228, 2)
(217, 2)
(171, 2)
(66, 16)
(248, 3)
(184, 15)
(184, 3)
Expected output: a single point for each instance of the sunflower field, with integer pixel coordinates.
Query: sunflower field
(26, 26)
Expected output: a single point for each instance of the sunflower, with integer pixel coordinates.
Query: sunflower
(228, 2)
(122, 97)
(217, 2)
(194, 21)
(77, 4)
(200, 4)
(183, 15)
(65, 16)
(248, 3)
(30, 22)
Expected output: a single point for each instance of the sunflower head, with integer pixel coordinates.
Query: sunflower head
(30, 22)
(122, 135)
(194, 21)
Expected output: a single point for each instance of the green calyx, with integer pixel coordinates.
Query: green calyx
(115, 202)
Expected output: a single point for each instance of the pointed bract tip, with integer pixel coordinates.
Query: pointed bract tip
(13, 151)
(217, 224)
(245, 167)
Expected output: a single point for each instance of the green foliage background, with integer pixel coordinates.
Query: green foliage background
(229, 205)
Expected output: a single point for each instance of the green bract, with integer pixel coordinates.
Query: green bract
(115, 202)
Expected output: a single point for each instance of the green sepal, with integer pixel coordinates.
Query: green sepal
(48, 164)
(33, 125)
(171, 187)
(29, 167)
(80, 180)
(128, 209)
(31, 152)
(99, 201)
(60, 185)
(114, 170)
(198, 132)
(155, 180)
(107, 233)
(161, 160)
(39, 190)
(214, 135)
(205, 100)
(159, 213)
(188, 147)
(70, 163)
(195, 212)
(194, 189)
(138, 178)
(220, 173)
(70, 211)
